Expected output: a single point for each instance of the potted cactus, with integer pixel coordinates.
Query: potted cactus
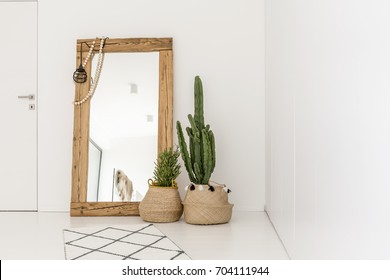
(205, 202)
(162, 203)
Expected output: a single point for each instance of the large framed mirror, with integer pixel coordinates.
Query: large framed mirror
(120, 131)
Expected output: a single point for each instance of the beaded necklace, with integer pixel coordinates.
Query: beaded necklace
(97, 72)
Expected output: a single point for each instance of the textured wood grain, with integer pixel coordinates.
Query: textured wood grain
(129, 44)
(80, 139)
(165, 104)
(104, 209)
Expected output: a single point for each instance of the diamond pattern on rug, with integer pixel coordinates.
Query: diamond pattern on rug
(138, 242)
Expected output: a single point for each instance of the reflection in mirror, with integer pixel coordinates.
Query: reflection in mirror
(123, 127)
(95, 159)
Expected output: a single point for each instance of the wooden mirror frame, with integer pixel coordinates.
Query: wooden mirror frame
(79, 205)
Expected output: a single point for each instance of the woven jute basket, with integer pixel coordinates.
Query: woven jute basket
(204, 207)
(161, 205)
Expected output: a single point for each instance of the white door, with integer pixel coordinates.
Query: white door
(18, 116)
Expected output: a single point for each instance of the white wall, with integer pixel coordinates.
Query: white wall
(328, 126)
(221, 40)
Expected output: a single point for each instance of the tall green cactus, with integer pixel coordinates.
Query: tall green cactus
(200, 162)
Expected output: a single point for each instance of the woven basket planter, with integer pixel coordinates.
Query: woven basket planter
(161, 205)
(204, 207)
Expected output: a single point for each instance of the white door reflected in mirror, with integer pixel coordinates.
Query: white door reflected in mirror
(123, 127)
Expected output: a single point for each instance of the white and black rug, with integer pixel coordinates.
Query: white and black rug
(137, 242)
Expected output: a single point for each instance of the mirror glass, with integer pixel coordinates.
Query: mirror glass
(123, 127)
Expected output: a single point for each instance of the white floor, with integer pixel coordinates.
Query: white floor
(249, 235)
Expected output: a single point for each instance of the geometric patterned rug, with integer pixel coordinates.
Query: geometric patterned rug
(136, 242)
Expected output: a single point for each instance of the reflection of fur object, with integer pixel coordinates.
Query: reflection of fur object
(123, 185)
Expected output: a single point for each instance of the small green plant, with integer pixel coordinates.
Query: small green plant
(167, 168)
(200, 162)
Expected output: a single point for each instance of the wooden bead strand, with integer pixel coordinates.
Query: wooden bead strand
(99, 67)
